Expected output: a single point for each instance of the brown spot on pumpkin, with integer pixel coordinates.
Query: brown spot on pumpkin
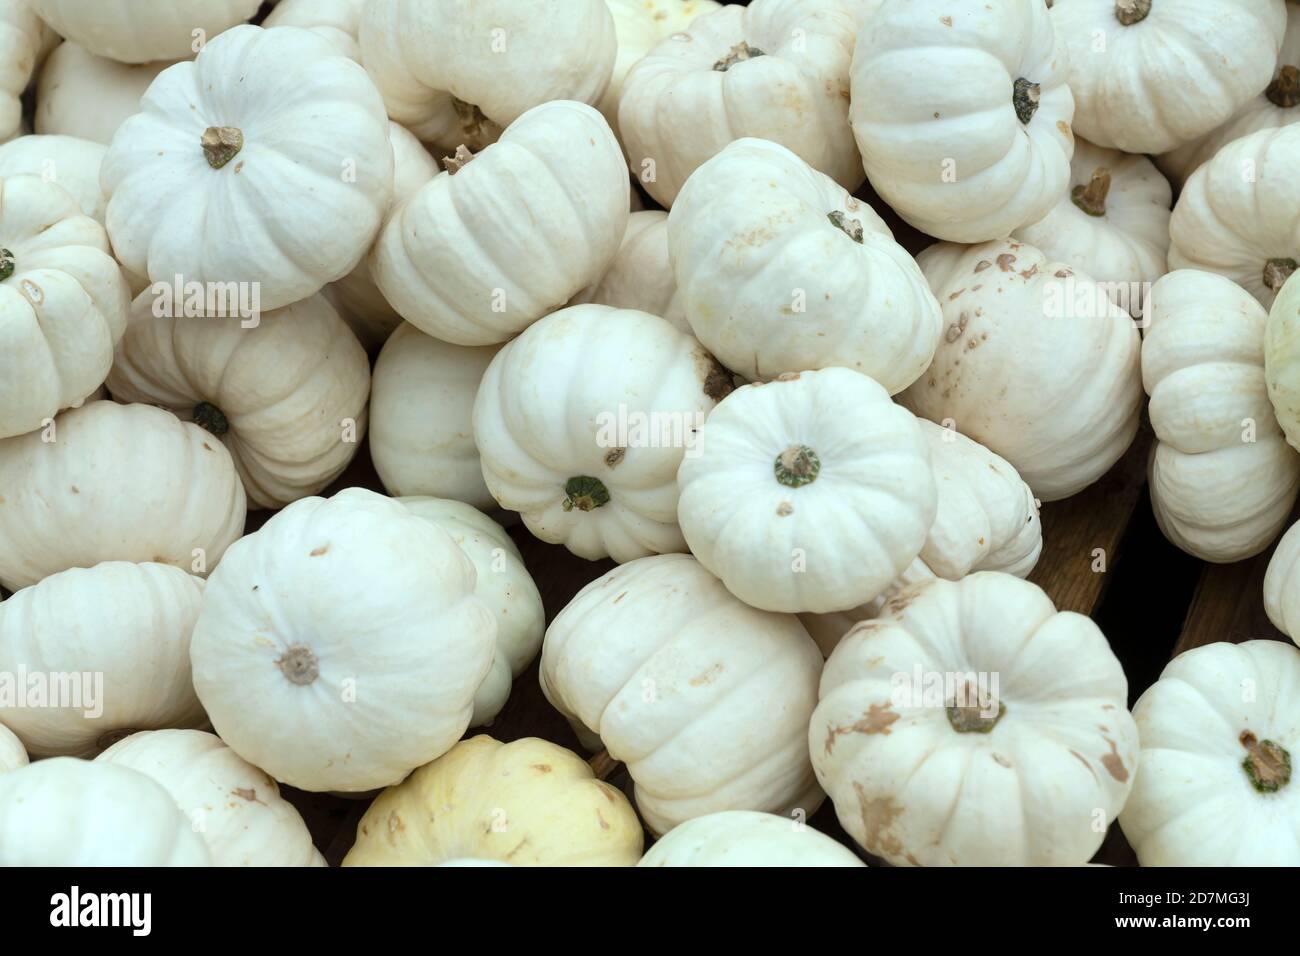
(542, 767)
(1064, 273)
(207, 446)
(878, 815)
(876, 720)
(1030, 272)
(620, 597)
(946, 21)
(1006, 261)
(1083, 760)
(954, 295)
(1001, 761)
(707, 677)
(784, 509)
(957, 328)
(1113, 764)
(604, 824)
(614, 456)
(75, 490)
(982, 265)
(323, 549)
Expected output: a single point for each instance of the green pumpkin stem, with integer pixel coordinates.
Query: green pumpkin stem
(221, 144)
(7, 264)
(1284, 91)
(1267, 764)
(1129, 12)
(1277, 271)
(741, 51)
(850, 227)
(211, 419)
(585, 493)
(1024, 97)
(797, 466)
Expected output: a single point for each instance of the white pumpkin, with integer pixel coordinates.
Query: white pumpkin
(1237, 214)
(235, 807)
(746, 838)
(1222, 477)
(71, 162)
(641, 275)
(136, 31)
(341, 645)
(503, 584)
(21, 38)
(973, 724)
(780, 270)
(338, 21)
(109, 649)
(810, 493)
(69, 812)
(1282, 359)
(582, 422)
(63, 303)
(1282, 585)
(287, 396)
(457, 73)
(776, 70)
(12, 754)
(421, 406)
(704, 698)
(1275, 106)
(962, 114)
(1218, 730)
(1150, 75)
(87, 96)
(510, 234)
(1036, 363)
(109, 482)
(1113, 223)
(272, 140)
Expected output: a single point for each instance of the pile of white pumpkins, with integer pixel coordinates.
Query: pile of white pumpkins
(817, 461)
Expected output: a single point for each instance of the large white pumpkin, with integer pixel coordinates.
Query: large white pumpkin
(108, 650)
(775, 70)
(71, 162)
(704, 698)
(287, 397)
(973, 724)
(1150, 75)
(582, 422)
(502, 238)
(21, 37)
(1218, 732)
(109, 482)
(63, 303)
(421, 408)
(810, 493)
(266, 160)
(136, 31)
(746, 838)
(962, 114)
(780, 270)
(235, 807)
(12, 754)
(457, 73)
(1222, 478)
(1036, 363)
(69, 812)
(341, 645)
(80, 94)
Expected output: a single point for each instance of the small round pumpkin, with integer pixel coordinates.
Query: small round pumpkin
(71, 162)
(746, 838)
(87, 96)
(137, 31)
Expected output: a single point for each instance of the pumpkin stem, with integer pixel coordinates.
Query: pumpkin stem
(603, 766)
(850, 227)
(718, 382)
(221, 144)
(211, 419)
(477, 129)
(585, 493)
(1277, 271)
(1092, 197)
(1284, 91)
(1024, 97)
(741, 51)
(798, 465)
(7, 264)
(459, 161)
(1129, 12)
(1267, 764)
(299, 665)
(972, 714)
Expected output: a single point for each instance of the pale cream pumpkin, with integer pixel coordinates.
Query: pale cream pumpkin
(1282, 585)
(235, 807)
(87, 96)
(12, 754)
(641, 275)
(70, 162)
(528, 802)
(338, 21)
(704, 698)
(63, 303)
(746, 838)
(109, 482)
(137, 31)
(21, 37)
(287, 396)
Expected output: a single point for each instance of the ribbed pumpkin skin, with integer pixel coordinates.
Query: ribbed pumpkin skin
(138, 31)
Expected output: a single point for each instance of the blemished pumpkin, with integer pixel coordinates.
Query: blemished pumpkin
(1214, 788)
(63, 304)
(110, 482)
(262, 129)
(746, 838)
(137, 31)
(1222, 477)
(70, 162)
(458, 73)
(288, 396)
(582, 422)
(70, 812)
(962, 114)
(640, 276)
(1237, 213)
(775, 70)
(528, 802)
(1151, 75)
(122, 633)
(421, 408)
(21, 36)
(706, 699)
(810, 493)
(780, 270)
(87, 96)
(509, 234)
(341, 645)
(235, 807)
(969, 695)
(12, 754)
(1035, 363)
